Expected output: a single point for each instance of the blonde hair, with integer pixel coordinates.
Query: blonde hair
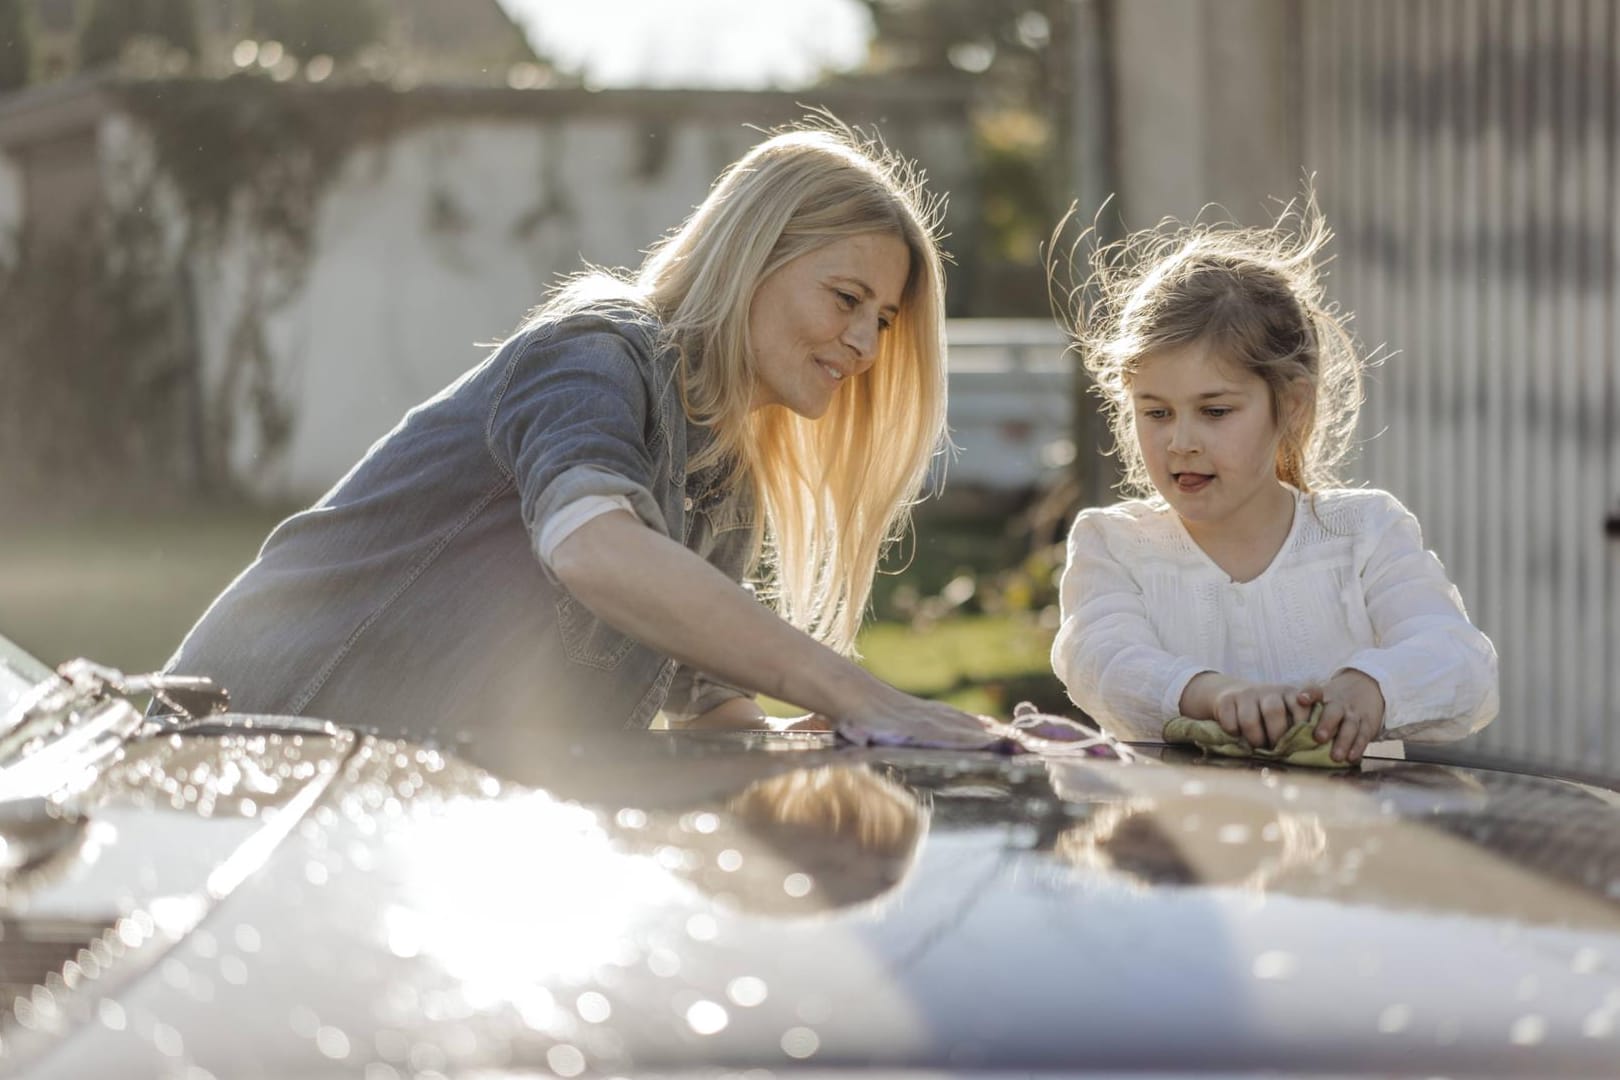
(1254, 295)
(834, 492)
(854, 833)
(847, 803)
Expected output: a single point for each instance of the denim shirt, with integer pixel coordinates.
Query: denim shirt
(410, 598)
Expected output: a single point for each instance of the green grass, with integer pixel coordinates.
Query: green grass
(980, 663)
(984, 663)
(124, 589)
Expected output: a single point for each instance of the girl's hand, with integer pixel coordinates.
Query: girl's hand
(1257, 712)
(1352, 713)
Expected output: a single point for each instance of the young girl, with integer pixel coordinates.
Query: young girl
(1245, 585)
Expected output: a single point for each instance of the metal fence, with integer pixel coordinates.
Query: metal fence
(1466, 153)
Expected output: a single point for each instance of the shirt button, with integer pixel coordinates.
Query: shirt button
(687, 502)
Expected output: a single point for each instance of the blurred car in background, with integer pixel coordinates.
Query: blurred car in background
(240, 897)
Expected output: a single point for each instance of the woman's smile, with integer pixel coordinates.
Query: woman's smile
(833, 372)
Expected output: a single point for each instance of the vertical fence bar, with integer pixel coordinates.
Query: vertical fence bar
(1571, 516)
(1468, 151)
(1463, 29)
(1414, 240)
(1520, 359)
(1609, 239)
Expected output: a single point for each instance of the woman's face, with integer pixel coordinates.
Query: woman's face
(816, 321)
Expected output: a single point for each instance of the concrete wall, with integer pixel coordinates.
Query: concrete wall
(1204, 108)
(447, 219)
(441, 238)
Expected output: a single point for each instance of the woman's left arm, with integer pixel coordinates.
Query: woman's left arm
(1436, 670)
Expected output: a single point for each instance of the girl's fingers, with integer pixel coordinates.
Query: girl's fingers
(1250, 723)
(1226, 716)
(1363, 740)
(1328, 725)
(1274, 711)
(1345, 740)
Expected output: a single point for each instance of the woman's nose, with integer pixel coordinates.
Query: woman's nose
(862, 338)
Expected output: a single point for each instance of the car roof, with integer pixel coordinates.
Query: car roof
(676, 902)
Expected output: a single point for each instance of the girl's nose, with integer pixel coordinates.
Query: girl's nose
(1183, 440)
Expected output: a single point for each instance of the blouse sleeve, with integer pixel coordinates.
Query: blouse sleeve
(1437, 672)
(1107, 653)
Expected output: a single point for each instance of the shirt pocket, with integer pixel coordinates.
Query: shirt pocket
(588, 640)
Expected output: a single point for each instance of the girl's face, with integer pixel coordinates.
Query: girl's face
(816, 321)
(1207, 436)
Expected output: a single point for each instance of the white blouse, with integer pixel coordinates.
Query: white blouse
(1144, 609)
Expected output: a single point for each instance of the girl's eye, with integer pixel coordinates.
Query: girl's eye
(1217, 411)
(1155, 414)
(847, 301)
(885, 325)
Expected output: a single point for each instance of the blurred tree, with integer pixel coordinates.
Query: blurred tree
(1005, 45)
(1042, 129)
(15, 42)
(305, 28)
(1015, 57)
(113, 24)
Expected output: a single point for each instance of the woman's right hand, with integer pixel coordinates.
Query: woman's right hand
(896, 718)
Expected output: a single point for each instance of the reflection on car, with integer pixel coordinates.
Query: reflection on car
(257, 897)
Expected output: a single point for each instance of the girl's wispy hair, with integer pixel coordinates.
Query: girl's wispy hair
(1252, 294)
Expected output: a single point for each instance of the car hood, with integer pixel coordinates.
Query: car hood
(304, 906)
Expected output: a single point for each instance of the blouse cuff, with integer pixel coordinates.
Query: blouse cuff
(1184, 673)
(1372, 666)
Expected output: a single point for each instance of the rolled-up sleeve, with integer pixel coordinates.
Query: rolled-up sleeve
(1438, 673)
(574, 418)
(1106, 652)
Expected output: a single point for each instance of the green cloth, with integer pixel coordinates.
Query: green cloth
(1298, 745)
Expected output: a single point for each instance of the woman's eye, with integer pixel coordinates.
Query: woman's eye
(1217, 411)
(848, 301)
(885, 325)
(1155, 414)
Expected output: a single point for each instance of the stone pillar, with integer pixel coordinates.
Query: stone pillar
(1206, 107)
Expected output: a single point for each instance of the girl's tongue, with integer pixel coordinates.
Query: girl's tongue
(1192, 481)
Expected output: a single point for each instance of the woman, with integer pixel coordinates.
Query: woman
(558, 537)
